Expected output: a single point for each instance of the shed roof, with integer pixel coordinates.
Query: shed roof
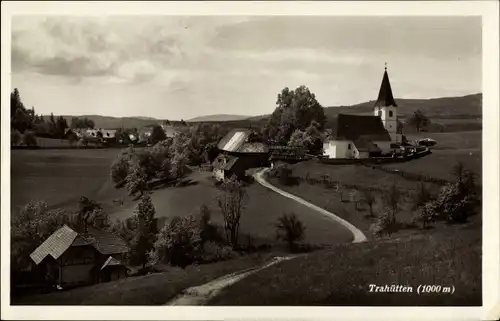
(353, 127)
(105, 242)
(55, 245)
(111, 261)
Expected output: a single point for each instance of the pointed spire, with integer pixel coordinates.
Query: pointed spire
(385, 97)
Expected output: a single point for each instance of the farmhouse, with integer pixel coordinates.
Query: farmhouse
(238, 152)
(359, 136)
(68, 258)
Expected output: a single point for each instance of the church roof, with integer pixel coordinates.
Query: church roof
(385, 97)
(356, 127)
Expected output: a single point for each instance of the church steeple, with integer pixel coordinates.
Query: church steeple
(385, 97)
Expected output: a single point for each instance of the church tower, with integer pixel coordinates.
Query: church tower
(385, 107)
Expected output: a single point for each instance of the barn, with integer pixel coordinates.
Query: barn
(69, 258)
(239, 151)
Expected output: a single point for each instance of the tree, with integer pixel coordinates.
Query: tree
(422, 196)
(296, 109)
(339, 189)
(15, 137)
(30, 227)
(290, 229)
(369, 198)
(231, 200)
(459, 172)
(178, 242)
(157, 134)
(90, 214)
(178, 166)
(136, 180)
(145, 237)
(419, 120)
(29, 139)
(392, 199)
(211, 151)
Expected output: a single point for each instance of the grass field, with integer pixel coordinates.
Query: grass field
(60, 177)
(459, 141)
(342, 276)
(153, 289)
(260, 214)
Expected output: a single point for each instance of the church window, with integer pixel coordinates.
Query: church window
(390, 113)
(379, 113)
(349, 146)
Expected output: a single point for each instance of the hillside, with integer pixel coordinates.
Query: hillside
(464, 107)
(218, 118)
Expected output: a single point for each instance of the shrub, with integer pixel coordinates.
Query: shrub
(29, 138)
(369, 198)
(454, 204)
(213, 252)
(383, 224)
(290, 230)
(15, 137)
(136, 180)
(178, 242)
(120, 168)
(427, 213)
(284, 173)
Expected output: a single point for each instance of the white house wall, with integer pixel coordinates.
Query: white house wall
(338, 149)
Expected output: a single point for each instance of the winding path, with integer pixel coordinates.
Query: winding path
(200, 295)
(358, 235)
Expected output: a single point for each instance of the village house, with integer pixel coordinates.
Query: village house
(238, 153)
(69, 258)
(360, 136)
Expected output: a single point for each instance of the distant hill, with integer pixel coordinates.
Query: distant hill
(464, 107)
(218, 118)
(117, 122)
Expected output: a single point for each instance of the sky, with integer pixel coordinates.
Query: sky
(180, 67)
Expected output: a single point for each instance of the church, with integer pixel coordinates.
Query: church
(364, 136)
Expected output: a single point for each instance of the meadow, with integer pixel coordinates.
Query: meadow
(59, 177)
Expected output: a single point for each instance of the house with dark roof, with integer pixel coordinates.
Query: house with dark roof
(360, 136)
(69, 258)
(239, 152)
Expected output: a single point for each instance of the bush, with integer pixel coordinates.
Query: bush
(15, 137)
(29, 139)
(383, 224)
(178, 242)
(120, 168)
(454, 204)
(290, 230)
(427, 214)
(213, 252)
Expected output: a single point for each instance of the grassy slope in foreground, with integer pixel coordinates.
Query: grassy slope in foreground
(447, 256)
(153, 289)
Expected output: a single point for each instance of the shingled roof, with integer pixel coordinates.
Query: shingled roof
(356, 127)
(56, 244)
(385, 97)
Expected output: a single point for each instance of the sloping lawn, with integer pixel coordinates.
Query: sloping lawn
(153, 289)
(447, 256)
(455, 140)
(440, 162)
(258, 218)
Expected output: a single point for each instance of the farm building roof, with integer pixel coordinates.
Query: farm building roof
(56, 244)
(224, 162)
(111, 261)
(104, 242)
(237, 141)
(385, 97)
(353, 127)
(364, 145)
